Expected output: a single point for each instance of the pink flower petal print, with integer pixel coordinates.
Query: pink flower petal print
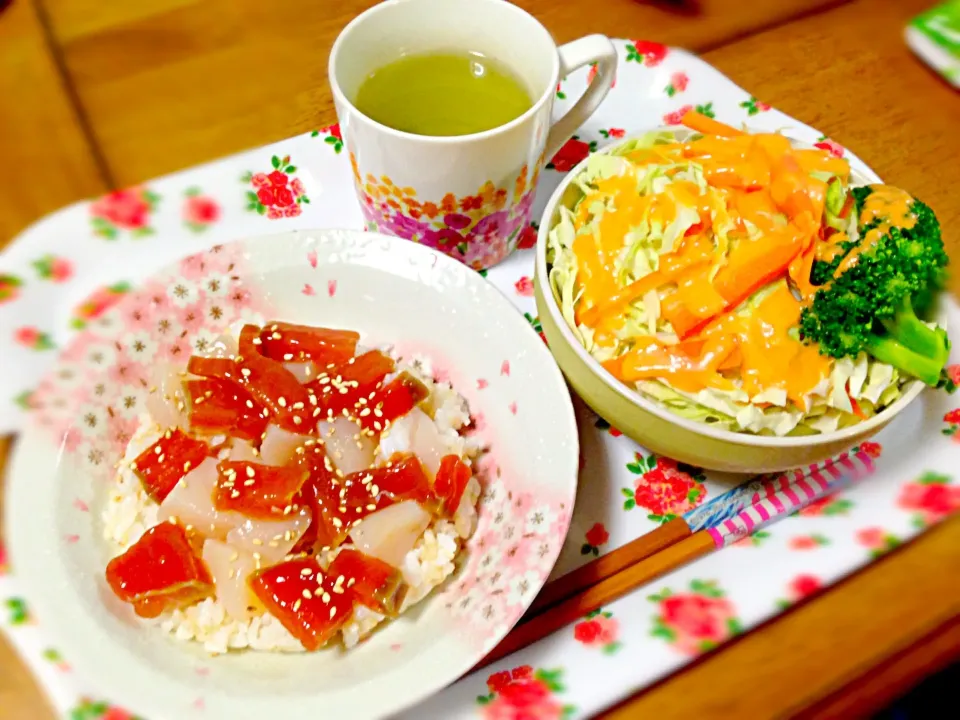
(308, 290)
(312, 258)
(481, 384)
(331, 287)
(505, 368)
(513, 408)
(524, 287)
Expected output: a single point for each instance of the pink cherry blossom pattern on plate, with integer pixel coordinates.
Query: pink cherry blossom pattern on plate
(124, 211)
(931, 498)
(53, 268)
(524, 694)
(199, 211)
(599, 630)
(92, 397)
(594, 71)
(696, 621)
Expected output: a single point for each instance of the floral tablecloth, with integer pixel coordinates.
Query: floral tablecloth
(66, 270)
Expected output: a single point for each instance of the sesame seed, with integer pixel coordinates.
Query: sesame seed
(371, 507)
(337, 523)
(250, 404)
(350, 582)
(333, 611)
(249, 483)
(161, 458)
(296, 605)
(374, 489)
(257, 341)
(186, 466)
(234, 557)
(282, 401)
(158, 449)
(166, 435)
(307, 594)
(325, 598)
(305, 572)
(250, 471)
(257, 541)
(235, 494)
(275, 336)
(288, 356)
(298, 406)
(297, 420)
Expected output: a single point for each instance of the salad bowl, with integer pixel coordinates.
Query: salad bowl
(648, 421)
(393, 292)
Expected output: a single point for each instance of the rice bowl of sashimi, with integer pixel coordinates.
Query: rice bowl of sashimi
(267, 497)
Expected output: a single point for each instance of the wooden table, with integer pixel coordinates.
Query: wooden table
(104, 93)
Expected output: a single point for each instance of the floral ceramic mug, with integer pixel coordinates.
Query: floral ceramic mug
(469, 196)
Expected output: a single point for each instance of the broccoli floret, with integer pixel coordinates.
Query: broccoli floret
(872, 304)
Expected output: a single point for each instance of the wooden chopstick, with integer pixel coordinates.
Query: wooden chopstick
(609, 565)
(602, 593)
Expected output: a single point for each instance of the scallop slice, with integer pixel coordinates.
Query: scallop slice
(391, 533)
(167, 403)
(348, 448)
(303, 371)
(191, 503)
(279, 446)
(270, 540)
(415, 433)
(231, 570)
(243, 450)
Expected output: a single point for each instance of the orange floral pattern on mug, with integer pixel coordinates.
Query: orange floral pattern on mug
(480, 229)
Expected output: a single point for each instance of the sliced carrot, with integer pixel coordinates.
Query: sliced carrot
(708, 126)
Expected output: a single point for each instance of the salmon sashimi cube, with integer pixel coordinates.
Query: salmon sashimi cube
(348, 387)
(286, 342)
(450, 483)
(223, 407)
(374, 583)
(257, 490)
(160, 572)
(392, 401)
(329, 527)
(161, 465)
(305, 600)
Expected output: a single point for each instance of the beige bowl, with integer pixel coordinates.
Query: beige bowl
(654, 426)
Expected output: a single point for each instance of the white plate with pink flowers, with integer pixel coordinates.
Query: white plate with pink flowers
(456, 329)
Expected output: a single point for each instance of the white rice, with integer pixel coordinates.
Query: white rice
(129, 513)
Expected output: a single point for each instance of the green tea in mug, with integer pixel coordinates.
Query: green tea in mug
(443, 93)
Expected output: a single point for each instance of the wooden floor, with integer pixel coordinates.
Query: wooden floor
(106, 93)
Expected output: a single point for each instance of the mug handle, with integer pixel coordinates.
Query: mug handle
(590, 49)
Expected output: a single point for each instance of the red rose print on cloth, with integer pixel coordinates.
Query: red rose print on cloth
(10, 287)
(665, 488)
(596, 536)
(33, 338)
(17, 612)
(524, 286)
(98, 303)
(646, 52)
(331, 136)
(528, 236)
(199, 211)
(88, 709)
(827, 505)
(535, 324)
(524, 694)
(831, 146)
(123, 210)
(952, 420)
(754, 106)
(802, 586)
(931, 498)
(807, 542)
(592, 75)
(572, 152)
(678, 83)
(276, 194)
(696, 621)
(53, 656)
(877, 540)
(676, 117)
(53, 268)
(561, 95)
(599, 630)
(602, 424)
(614, 133)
